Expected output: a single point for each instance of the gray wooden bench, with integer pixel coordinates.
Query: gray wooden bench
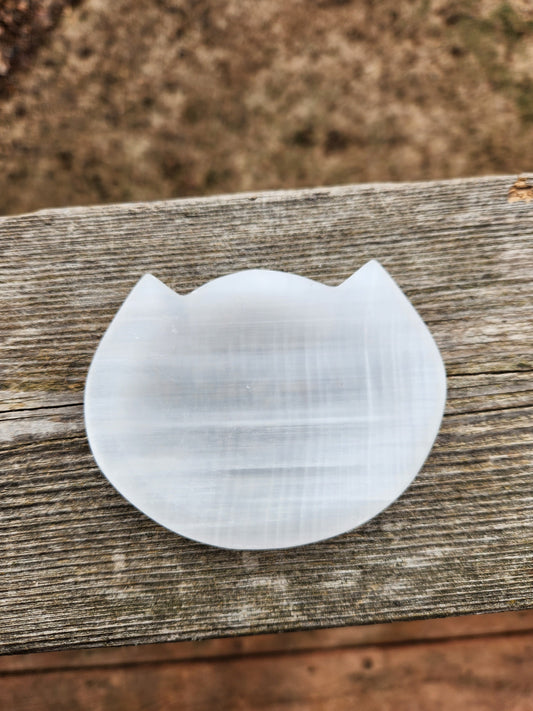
(79, 566)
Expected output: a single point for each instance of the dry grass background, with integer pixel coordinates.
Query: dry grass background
(105, 102)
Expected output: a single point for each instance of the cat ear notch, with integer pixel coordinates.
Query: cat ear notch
(368, 275)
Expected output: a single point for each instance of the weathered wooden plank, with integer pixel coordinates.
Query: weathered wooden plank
(81, 567)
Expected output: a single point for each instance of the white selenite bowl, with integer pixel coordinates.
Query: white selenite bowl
(264, 409)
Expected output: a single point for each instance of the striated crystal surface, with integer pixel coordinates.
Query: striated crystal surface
(264, 409)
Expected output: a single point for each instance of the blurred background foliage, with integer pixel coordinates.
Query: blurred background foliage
(152, 99)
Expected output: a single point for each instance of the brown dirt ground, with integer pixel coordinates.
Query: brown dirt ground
(24, 25)
(162, 98)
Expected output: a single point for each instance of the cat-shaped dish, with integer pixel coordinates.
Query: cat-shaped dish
(264, 409)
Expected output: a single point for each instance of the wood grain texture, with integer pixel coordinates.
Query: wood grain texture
(499, 626)
(486, 674)
(81, 567)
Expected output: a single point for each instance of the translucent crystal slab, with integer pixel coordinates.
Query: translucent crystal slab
(264, 409)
